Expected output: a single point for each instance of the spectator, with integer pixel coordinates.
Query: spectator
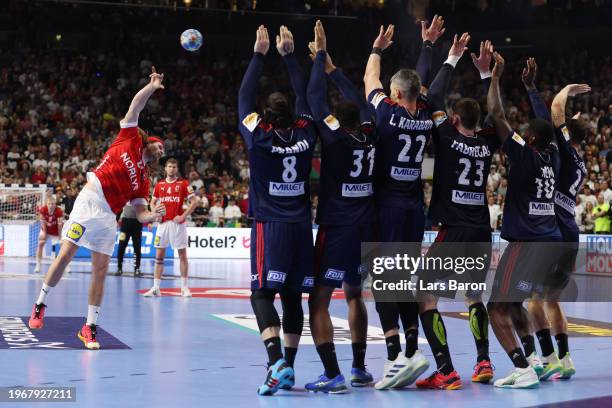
(232, 213)
(215, 214)
(587, 224)
(604, 187)
(601, 212)
(494, 212)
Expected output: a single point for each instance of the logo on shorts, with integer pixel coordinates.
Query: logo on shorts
(156, 241)
(308, 282)
(75, 232)
(122, 236)
(361, 270)
(275, 276)
(334, 274)
(524, 286)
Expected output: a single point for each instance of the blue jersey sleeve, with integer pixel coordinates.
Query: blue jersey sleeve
(538, 105)
(381, 104)
(439, 87)
(515, 147)
(423, 65)
(317, 88)
(349, 91)
(298, 83)
(249, 119)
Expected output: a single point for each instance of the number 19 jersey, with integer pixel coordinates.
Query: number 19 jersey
(400, 150)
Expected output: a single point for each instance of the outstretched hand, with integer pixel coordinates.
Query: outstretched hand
(482, 62)
(329, 64)
(529, 73)
(577, 89)
(459, 45)
(320, 38)
(498, 68)
(156, 79)
(435, 29)
(384, 38)
(284, 41)
(262, 42)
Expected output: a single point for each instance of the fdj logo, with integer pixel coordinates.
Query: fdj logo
(275, 276)
(334, 274)
(76, 231)
(308, 282)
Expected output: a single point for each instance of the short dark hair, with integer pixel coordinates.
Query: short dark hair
(277, 111)
(407, 81)
(577, 130)
(347, 113)
(171, 160)
(468, 110)
(543, 132)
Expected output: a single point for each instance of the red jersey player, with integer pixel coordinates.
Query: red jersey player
(120, 177)
(172, 192)
(51, 219)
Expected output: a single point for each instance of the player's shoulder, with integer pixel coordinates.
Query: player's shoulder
(302, 121)
(422, 102)
(378, 96)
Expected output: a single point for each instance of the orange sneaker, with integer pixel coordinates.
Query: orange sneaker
(439, 381)
(87, 334)
(483, 372)
(37, 316)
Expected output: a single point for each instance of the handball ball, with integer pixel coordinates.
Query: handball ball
(191, 40)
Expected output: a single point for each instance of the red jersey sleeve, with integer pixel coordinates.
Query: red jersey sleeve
(127, 133)
(141, 197)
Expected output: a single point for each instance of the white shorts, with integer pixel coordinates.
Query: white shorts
(170, 233)
(91, 224)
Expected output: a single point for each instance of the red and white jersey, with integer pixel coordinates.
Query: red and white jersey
(172, 195)
(122, 172)
(51, 219)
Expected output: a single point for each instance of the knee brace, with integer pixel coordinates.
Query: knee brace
(262, 302)
(293, 314)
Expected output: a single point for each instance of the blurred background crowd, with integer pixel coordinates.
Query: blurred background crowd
(67, 79)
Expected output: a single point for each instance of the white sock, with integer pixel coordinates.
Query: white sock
(156, 283)
(184, 282)
(92, 314)
(43, 293)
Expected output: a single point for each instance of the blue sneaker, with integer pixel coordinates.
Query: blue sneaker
(360, 378)
(289, 383)
(279, 374)
(334, 385)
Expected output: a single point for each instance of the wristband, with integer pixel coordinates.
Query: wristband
(377, 50)
(485, 75)
(452, 60)
(428, 43)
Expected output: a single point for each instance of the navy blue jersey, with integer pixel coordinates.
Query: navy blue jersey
(279, 188)
(347, 174)
(570, 179)
(529, 211)
(461, 168)
(400, 149)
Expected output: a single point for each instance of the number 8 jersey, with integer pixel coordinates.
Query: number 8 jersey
(279, 188)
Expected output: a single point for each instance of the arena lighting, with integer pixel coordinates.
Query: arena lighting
(187, 3)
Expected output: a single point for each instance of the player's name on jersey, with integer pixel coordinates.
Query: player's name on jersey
(410, 124)
(473, 151)
(299, 147)
(403, 285)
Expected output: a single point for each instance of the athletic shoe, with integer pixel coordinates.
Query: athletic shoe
(567, 367)
(185, 292)
(483, 372)
(279, 374)
(535, 363)
(288, 384)
(153, 292)
(552, 366)
(38, 314)
(87, 334)
(519, 378)
(119, 272)
(37, 268)
(137, 273)
(439, 381)
(403, 371)
(419, 365)
(334, 385)
(360, 377)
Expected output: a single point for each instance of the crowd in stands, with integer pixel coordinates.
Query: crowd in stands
(60, 110)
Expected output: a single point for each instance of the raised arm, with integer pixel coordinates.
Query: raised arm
(371, 78)
(494, 101)
(285, 47)
(141, 98)
(558, 103)
(537, 103)
(429, 35)
(439, 86)
(248, 87)
(317, 87)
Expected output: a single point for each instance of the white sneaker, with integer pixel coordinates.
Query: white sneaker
(567, 367)
(185, 292)
(534, 362)
(552, 366)
(37, 268)
(418, 364)
(153, 292)
(519, 378)
(383, 384)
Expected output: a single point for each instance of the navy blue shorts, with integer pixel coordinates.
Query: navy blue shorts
(282, 256)
(338, 254)
(401, 224)
(566, 265)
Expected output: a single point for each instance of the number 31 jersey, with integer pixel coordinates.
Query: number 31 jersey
(400, 150)
(279, 188)
(461, 169)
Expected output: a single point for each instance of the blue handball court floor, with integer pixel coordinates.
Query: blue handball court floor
(205, 351)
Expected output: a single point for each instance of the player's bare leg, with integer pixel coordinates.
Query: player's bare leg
(157, 274)
(184, 265)
(550, 362)
(42, 238)
(358, 324)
